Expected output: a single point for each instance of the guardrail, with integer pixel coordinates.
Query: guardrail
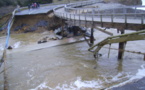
(10, 23)
(73, 6)
(124, 14)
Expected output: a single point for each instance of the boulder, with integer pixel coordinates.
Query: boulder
(10, 47)
(44, 40)
(58, 31)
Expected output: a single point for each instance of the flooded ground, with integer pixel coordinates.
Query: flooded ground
(69, 67)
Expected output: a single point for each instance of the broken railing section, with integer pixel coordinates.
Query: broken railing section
(122, 39)
(74, 15)
(71, 21)
(74, 26)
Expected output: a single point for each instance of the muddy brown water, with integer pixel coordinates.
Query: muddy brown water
(68, 67)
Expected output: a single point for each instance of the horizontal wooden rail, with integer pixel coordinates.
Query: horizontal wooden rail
(82, 16)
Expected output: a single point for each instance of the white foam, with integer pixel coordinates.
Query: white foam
(120, 76)
(16, 45)
(143, 2)
(79, 84)
(65, 87)
(87, 84)
(42, 86)
(140, 74)
(93, 84)
(1, 47)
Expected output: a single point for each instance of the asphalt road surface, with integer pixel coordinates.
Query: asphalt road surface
(43, 9)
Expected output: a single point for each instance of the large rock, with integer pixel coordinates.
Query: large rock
(126, 2)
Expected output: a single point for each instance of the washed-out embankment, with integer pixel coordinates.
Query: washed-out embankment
(36, 23)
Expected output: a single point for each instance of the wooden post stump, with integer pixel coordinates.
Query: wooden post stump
(121, 48)
(92, 37)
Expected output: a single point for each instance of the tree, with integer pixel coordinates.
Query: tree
(19, 2)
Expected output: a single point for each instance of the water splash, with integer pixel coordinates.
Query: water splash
(17, 44)
(80, 84)
(143, 2)
(42, 86)
(140, 74)
(88, 84)
(1, 47)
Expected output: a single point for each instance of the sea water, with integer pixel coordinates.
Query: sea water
(72, 66)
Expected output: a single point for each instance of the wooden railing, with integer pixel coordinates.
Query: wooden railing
(126, 14)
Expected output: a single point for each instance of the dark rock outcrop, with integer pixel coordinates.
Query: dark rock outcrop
(42, 23)
(31, 29)
(10, 47)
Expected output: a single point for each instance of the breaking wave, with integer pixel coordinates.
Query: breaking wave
(80, 84)
(139, 75)
(16, 45)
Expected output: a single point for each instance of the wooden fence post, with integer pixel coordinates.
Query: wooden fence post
(142, 19)
(79, 18)
(101, 20)
(85, 21)
(125, 20)
(92, 30)
(74, 19)
(121, 48)
(70, 20)
(92, 37)
(112, 20)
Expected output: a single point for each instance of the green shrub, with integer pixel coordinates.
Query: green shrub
(6, 3)
(2, 2)
(19, 3)
(39, 1)
(22, 2)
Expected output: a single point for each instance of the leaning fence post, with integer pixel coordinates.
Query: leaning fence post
(109, 50)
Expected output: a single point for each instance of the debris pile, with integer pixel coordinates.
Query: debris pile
(66, 32)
